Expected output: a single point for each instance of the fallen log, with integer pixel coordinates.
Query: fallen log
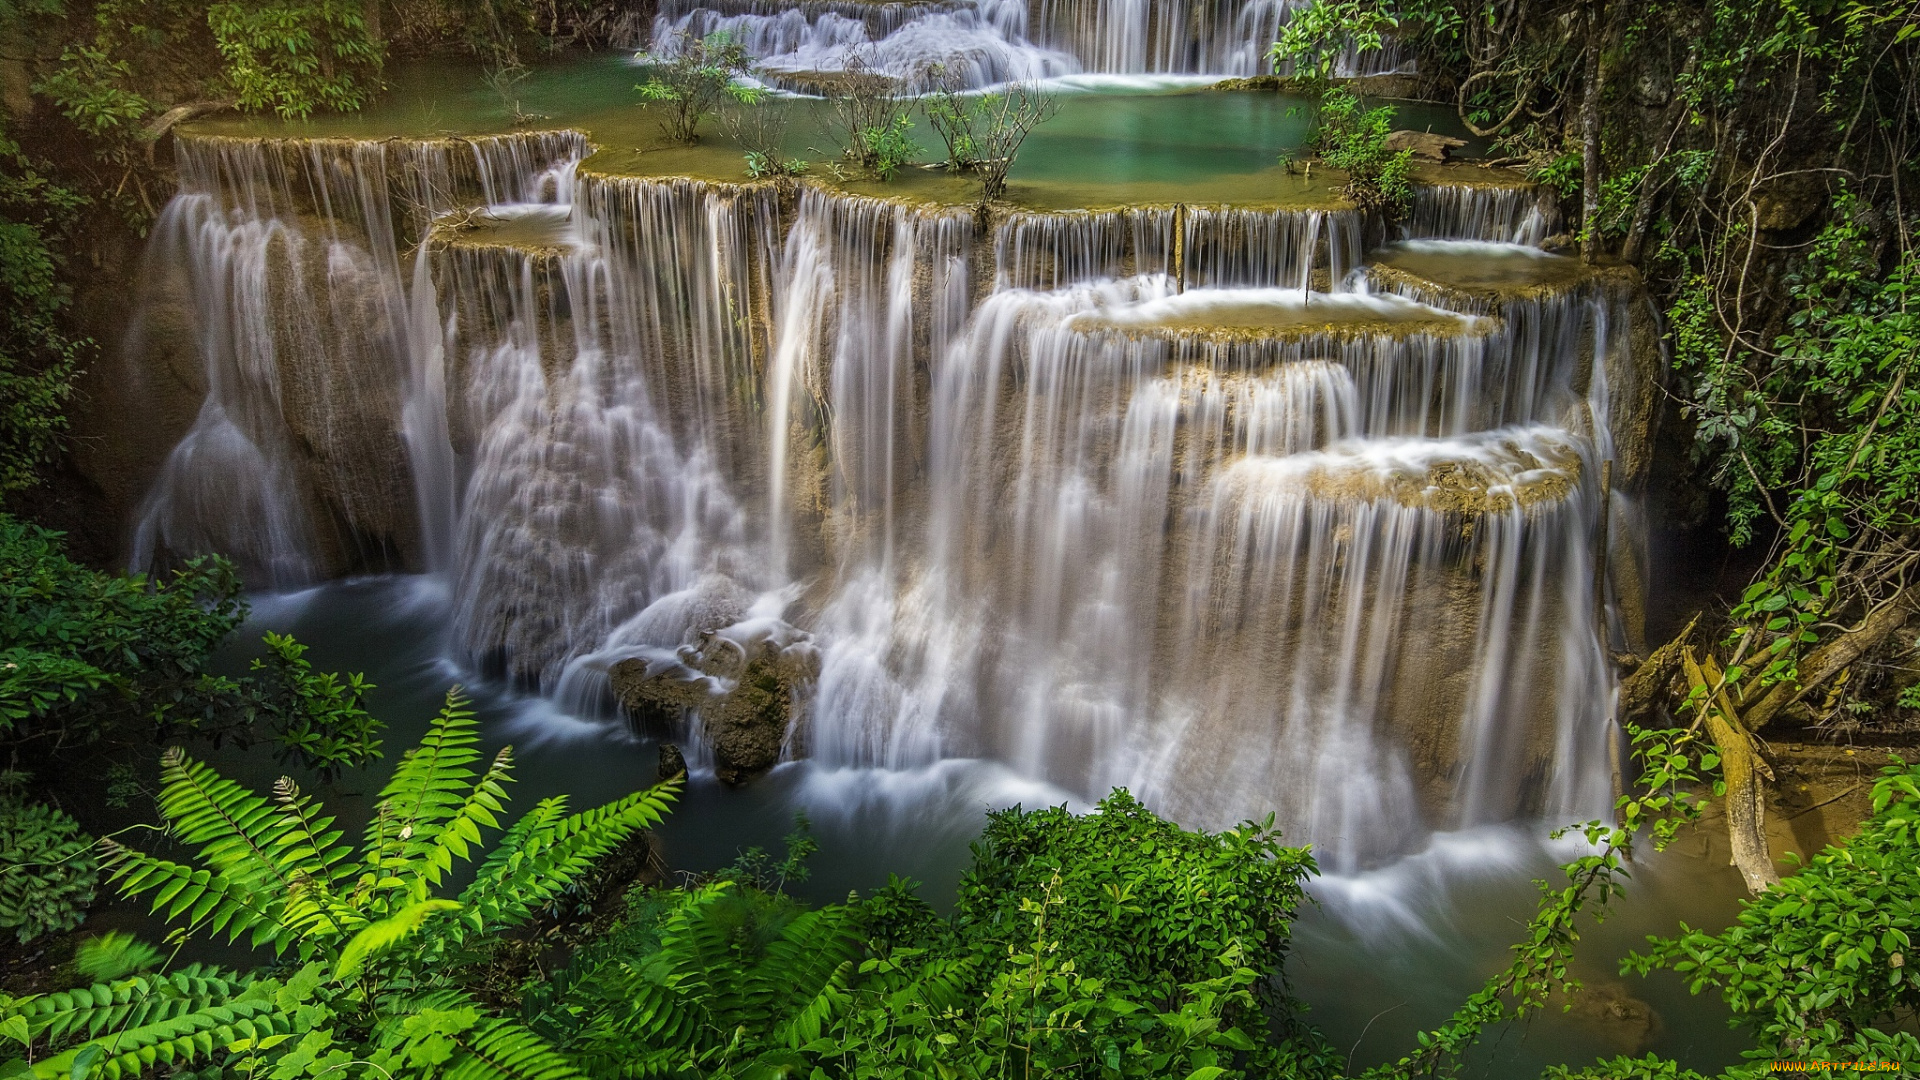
(179, 114)
(1832, 658)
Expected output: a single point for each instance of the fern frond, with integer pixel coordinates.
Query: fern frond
(183, 1039)
(311, 906)
(696, 958)
(504, 1050)
(481, 807)
(801, 963)
(429, 786)
(651, 1030)
(242, 836)
(206, 899)
(811, 1019)
(544, 853)
(133, 1002)
(312, 843)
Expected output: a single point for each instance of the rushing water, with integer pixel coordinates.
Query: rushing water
(1115, 498)
(1228, 504)
(1377, 955)
(981, 43)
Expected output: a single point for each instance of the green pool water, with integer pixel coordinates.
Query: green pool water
(1113, 141)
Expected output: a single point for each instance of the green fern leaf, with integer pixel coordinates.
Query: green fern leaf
(206, 899)
(242, 836)
(814, 1016)
(132, 1002)
(543, 853)
(504, 1050)
(184, 1038)
(381, 936)
(432, 784)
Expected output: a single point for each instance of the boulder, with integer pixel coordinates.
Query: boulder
(742, 694)
(672, 762)
(1424, 144)
(747, 726)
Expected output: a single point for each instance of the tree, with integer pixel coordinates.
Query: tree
(690, 79)
(370, 937)
(1003, 121)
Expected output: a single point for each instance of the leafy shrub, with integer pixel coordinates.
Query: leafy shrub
(890, 148)
(37, 356)
(1353, 138)
(1143, 903)
(868, 110)
(84, 652)
(48, 875)
(983, 133)
(951, 113)
(1046, 968)
(293, 56)
(81, 650)
(321, 720)
(1814, 965)
(759, 127)
(691, 80)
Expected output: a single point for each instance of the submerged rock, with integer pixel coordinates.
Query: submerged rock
(742, 692)
(672, 762)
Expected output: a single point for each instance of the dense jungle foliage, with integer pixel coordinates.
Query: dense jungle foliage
(1754, 161)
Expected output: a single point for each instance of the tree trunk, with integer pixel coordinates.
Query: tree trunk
(1746, 774)
(1590, 132)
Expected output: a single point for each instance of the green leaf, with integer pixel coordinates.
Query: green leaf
(379, 937)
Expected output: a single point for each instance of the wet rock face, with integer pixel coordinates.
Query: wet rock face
(742, 698)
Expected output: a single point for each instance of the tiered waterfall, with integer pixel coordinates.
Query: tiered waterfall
(1196, 500)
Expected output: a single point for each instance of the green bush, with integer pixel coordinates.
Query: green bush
(48, 875)
(1815, 966)
(37, 356)
(890, 148)
(294, 57)
(691, 84)
(84, 654)
(1111, 945)
(1353, 138)
(81, 650)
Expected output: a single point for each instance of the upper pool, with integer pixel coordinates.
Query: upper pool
(1115, 140)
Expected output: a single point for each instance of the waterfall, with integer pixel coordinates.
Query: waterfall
(1122, 497)
(1513, 215)
(988, 42)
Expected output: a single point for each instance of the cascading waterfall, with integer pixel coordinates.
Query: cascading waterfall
(1115, 498)
(1479, 212)
(281, 259)
(983, 43)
